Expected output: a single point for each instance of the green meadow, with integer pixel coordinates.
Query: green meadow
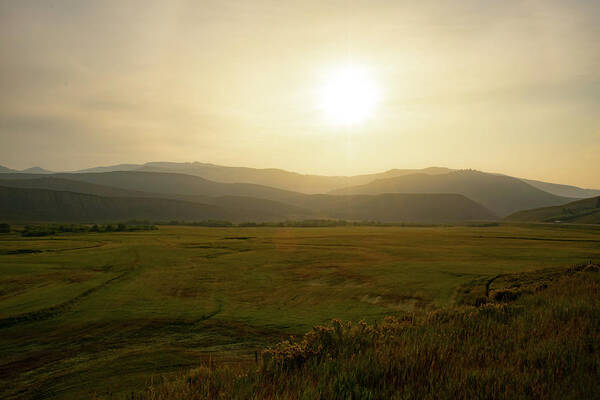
(104, 314)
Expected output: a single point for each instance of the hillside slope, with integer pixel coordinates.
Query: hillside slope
(502, 195)
(563, 190)
(159, 183)
(36, 170)
(293, 181)
(111, 168)
(240, 208)
(274, 177)
(278, 178)
(307, 183)
(68, 185)
(585, 211)
(48, 205)
(92, 203)
(5, 170)
(397, 207)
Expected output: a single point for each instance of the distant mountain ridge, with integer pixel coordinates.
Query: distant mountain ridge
(5, 170)
(186, 190)
(309, 184)
(304, 183)
(563, 190)
(36, 170)
(277, 178)
(499, 193)
(111, 168)
(241, 207)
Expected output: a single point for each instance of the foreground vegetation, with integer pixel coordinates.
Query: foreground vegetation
(544, 345)
(106, 312)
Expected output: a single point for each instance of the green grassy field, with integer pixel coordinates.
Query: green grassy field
(103, 313)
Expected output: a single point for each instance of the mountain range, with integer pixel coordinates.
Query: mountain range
(192, 191)
(501, 194)
(233, 201)
(287, 180)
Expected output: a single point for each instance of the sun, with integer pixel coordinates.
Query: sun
(348, 95)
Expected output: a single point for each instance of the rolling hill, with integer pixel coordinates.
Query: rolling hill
(238, 208)
(36, 170)
(292, 181)
(68, 185)
(5, 170)
(563, 190)
(159, 184)
(30, 205)
(585, 211)
(397, 207)
(278, 178)
(311, 184)
(111, 168)
(83, 201)
(501, 194)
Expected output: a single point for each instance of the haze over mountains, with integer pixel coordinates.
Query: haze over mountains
(282, 179)
(197, 191)
(309, 184)
(563, 190)
(237, 202)
(501, 194)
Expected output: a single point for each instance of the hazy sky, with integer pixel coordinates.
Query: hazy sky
(501, 86)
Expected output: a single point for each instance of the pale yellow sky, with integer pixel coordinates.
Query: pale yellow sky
(511, 87)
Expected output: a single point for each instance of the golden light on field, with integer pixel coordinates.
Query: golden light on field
(348, 95)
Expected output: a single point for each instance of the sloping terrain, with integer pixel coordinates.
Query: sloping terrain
(239, 208)
(5, 170)
(292, 181)
(29, 205)
(307, 183)
(502, 195)
(36, 170)
(396, 207)
(61, 184)
(274, 177)
(563, 190)
(429, 208)
(278, 178)
(585, 211)
(159, 183)
(111, 168)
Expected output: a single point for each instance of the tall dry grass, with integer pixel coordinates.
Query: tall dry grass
(543, 342)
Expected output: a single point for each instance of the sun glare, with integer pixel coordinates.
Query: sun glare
(348, 95)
